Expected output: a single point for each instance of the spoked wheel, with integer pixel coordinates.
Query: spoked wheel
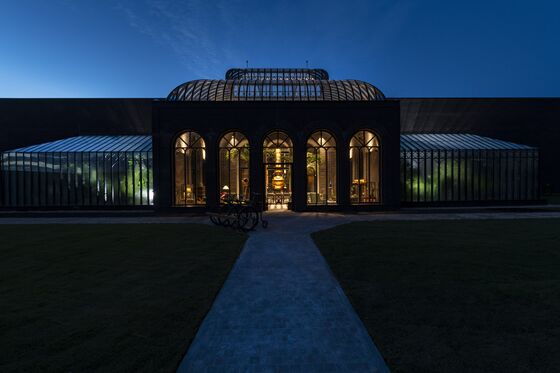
(240, 222)
(248, 218)
(227, 221)
(215, 220)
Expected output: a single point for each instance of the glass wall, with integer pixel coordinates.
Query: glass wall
(321, 169)
(278, 154)
(190, 158)
(364, 168)
(74, 179)
(234, 167)
(469, 175)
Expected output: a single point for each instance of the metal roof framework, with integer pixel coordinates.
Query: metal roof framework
(276, 85)
(456, 141)
(84, 144)
(276, 74)
(143, 143)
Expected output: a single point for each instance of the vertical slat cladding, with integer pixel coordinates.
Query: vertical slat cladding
(2, 181)
(527, 174)
(432, 181)
(13, 179)
(418, 175)
(141, 177)
(131, 178)
(507, 175)
(33, 198)
(149, 160)
(19, 182)
(479, 173)
(425, 175)
(439, 174)
(459, 184)
(538, 177)
(411, 155)
(8, 178)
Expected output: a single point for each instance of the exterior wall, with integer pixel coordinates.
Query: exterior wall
(533, 122)
(26, 122)
(298, 119)
(529, 121)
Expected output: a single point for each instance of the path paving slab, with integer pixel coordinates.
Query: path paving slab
(281, 309)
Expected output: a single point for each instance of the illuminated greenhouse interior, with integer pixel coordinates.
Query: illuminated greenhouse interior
(118, 170)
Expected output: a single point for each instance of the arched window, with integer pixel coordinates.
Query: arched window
(364, 168)
(190, 157)
(321, 169)
(234, 166)
(278, 154)
(278, 148)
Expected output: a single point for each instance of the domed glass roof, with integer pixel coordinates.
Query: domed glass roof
(276, 85)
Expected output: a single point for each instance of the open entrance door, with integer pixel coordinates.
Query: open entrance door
(278, 155)
(278, 186)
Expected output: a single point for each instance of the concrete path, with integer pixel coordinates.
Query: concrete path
(281, 309)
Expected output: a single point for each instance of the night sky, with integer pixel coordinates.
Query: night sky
(143, 48)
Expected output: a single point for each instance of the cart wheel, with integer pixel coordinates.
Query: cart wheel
(250, 217)
(241, 221)
(226, 222)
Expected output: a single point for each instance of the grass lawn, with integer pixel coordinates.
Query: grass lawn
(113, 298)
(552, 199)
(454, 296)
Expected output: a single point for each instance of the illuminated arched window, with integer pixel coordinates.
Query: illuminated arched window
(234, 166)
(278, 148)
(278, 154)
(321, 169)
(364, 168)
(190, 157)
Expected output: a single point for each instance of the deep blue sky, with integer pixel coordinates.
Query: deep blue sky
(144, 48)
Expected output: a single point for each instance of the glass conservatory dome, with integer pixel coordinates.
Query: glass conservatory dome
(257, 84)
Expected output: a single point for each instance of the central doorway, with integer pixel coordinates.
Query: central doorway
(277, 161)
(278, 186)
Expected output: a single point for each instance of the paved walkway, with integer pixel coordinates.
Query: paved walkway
(282, 310)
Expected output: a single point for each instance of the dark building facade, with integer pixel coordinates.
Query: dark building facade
(286, 126)
(295, 137)
(530, 121)
(307, 142)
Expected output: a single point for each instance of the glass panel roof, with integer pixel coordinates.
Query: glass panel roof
(143, 143)
(92, 144)
(276, 85)
(456, 141)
